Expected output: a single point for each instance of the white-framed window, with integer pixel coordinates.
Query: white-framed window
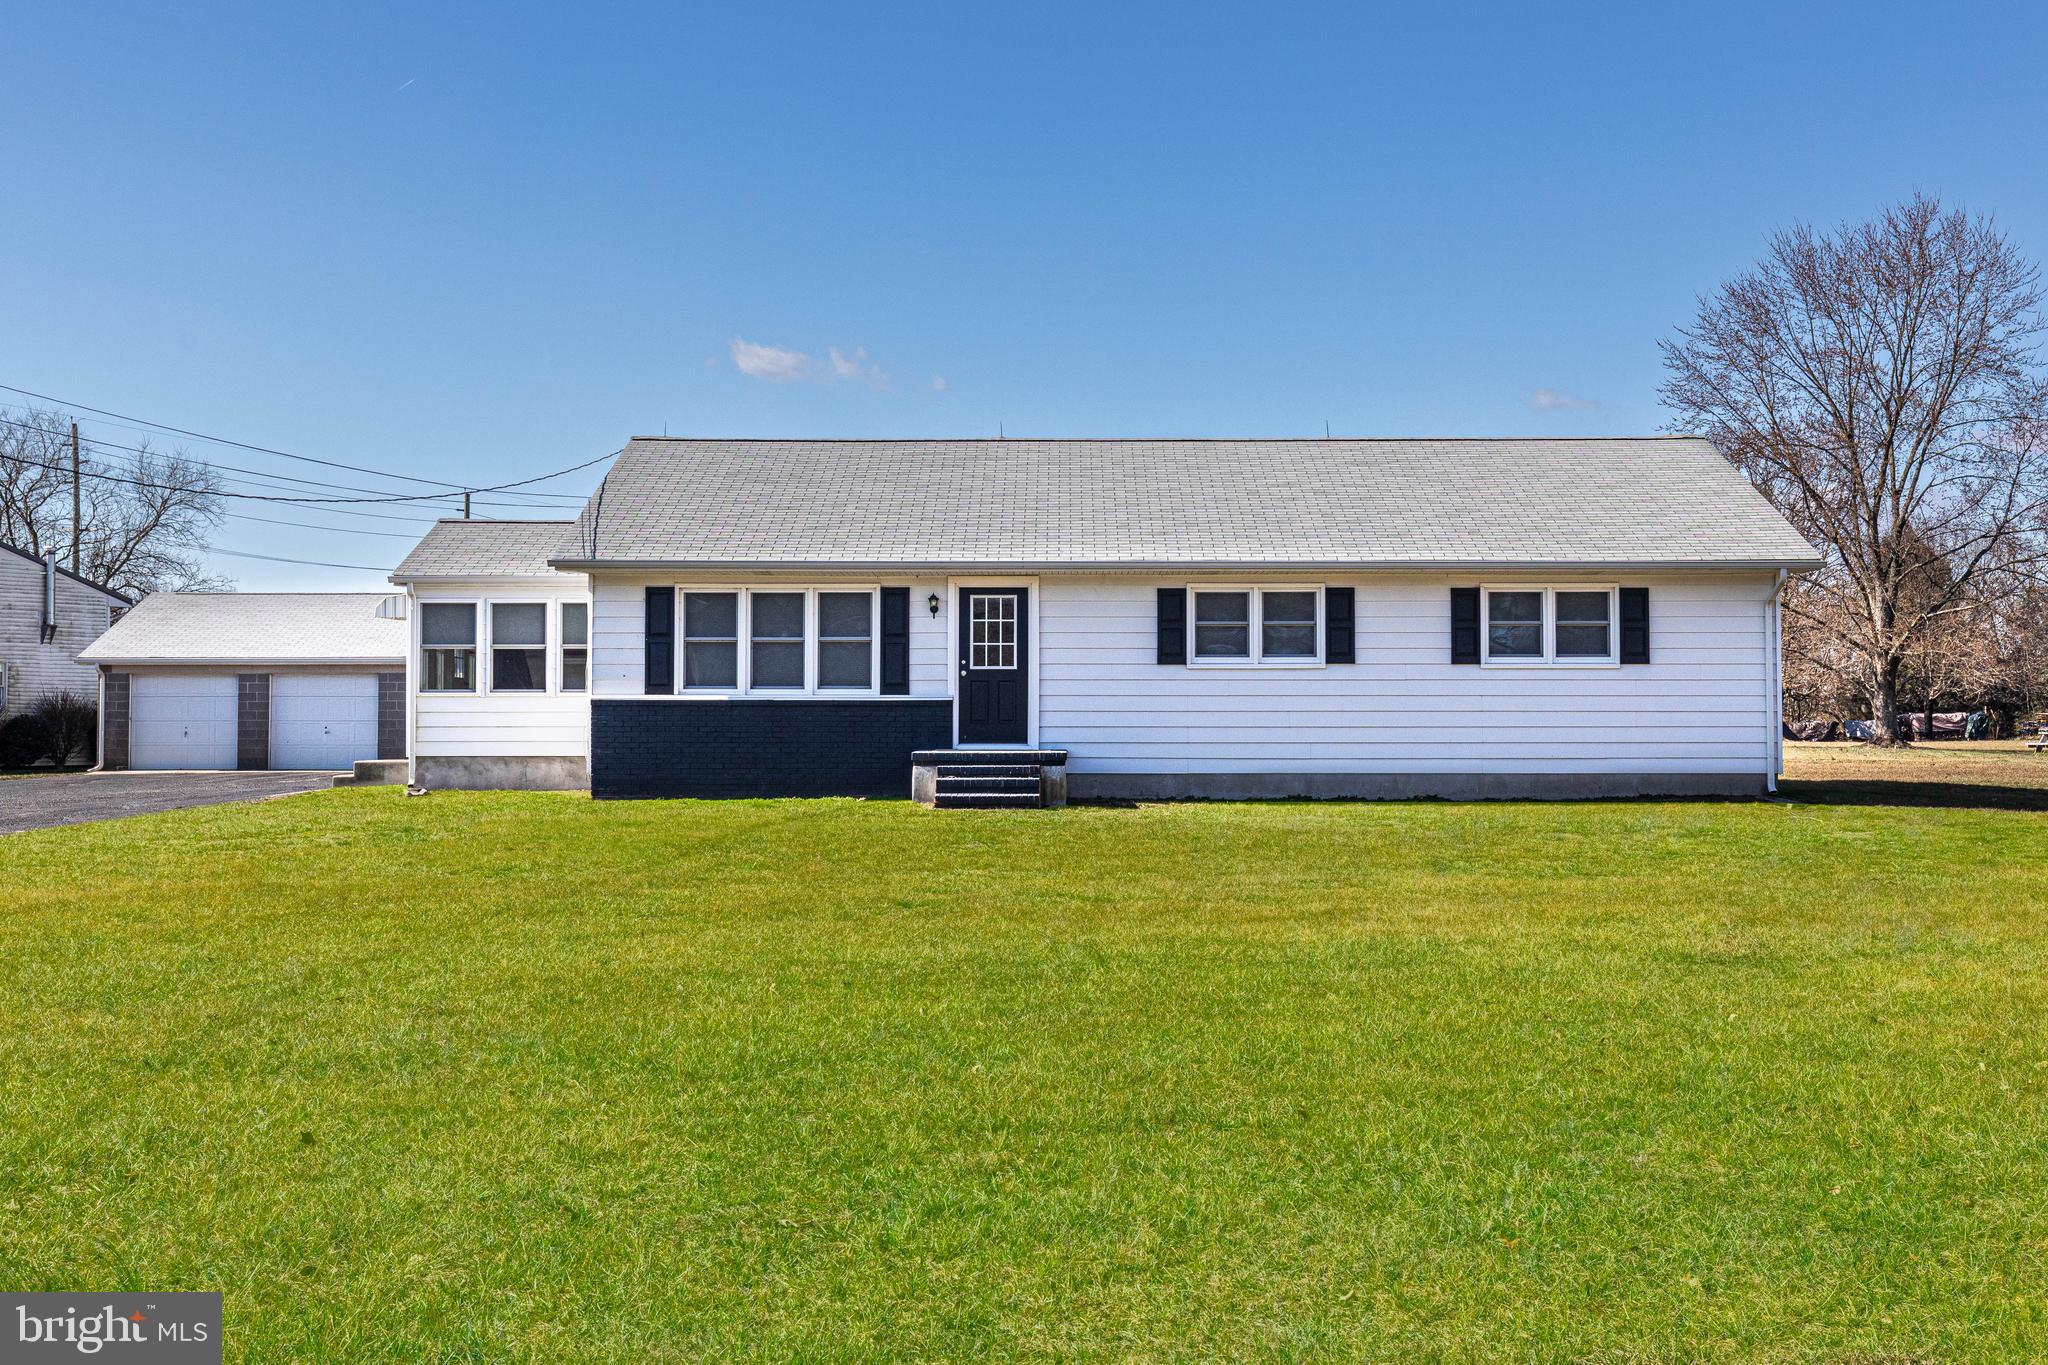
(448, 646)
(779, 640)
(573, 675)
(519, 646)
(776, 656)
(1524, 625)
(711, 639)
(846, 639)
(1273, 626)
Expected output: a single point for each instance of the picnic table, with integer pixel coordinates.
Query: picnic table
(2040, 740)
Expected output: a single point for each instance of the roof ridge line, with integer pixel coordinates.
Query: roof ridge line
(1137, 440)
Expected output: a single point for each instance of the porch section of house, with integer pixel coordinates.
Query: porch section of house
(989, 779)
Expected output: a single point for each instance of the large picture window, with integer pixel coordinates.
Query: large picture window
(448, 647)
(779, 640)
(1280, 626)
(1548, 625)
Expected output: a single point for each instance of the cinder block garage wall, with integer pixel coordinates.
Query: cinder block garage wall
(252, 720)
(391, 715)
(761, 748)
(114, 724)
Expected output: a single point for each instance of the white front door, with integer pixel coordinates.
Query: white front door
(182, 721)
(322, 720)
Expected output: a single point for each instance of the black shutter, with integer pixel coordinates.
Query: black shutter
(1340, 635)
(1464, 625)
(1173, 625)
(661, 641)
(1635, 625)
(895, 642)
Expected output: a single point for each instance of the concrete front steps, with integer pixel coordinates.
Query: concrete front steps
(989, 779)
(375, 772)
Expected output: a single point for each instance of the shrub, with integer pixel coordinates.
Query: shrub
(22, 741)
(70, 726)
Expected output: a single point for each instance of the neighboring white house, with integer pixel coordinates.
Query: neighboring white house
(1176, 617)
(47, 614)
(301, 680)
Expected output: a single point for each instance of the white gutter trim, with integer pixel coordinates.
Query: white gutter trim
(243, 661)
(1280, 566)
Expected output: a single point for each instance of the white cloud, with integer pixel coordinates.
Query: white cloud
(858, 368)
(939, 384)
(782, 365)
(776, 364)
(1558, 400)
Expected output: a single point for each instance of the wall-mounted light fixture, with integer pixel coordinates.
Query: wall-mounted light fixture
(933, 603)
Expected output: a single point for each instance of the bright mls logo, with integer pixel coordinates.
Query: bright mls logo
(166, 1329)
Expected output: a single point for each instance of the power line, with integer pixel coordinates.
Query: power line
(271, 478)
(280, 559)
(160, 484)
(244, 445)
(274, 479)
(315, 526)
(263, 497)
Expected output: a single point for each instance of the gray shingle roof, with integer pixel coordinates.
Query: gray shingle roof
(482, 549)
(253, 627)
(1611, 502)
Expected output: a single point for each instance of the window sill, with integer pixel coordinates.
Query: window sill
(1550, 664)
(773, 694)
(1242, 665)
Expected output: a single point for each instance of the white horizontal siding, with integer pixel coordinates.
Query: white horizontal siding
(1700, 706)
(453, 724)
(619, 622)
(34, 668)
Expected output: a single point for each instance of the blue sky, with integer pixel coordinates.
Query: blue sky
(492, 241)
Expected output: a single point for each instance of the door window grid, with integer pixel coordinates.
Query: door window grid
(992, 638)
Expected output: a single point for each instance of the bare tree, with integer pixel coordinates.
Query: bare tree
(1882, 385)
(145, 517)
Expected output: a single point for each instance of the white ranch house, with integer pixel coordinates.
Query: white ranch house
(1197, 618)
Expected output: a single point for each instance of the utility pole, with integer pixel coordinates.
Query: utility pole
(75, 514)
(465, 506)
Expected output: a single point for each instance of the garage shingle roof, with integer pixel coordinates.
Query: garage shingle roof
(253, 628)
(1639, 502)
(483, 549)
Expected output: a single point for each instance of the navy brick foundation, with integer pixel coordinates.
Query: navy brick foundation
(803, 747)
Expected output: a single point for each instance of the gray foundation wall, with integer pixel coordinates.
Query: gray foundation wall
(1406, 786)
(502, 774)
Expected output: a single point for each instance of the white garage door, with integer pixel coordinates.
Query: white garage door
(322, 720)
(182, 721)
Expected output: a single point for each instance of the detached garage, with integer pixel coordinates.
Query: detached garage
(252, 680)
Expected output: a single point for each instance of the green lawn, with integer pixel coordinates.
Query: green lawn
(526, 1077)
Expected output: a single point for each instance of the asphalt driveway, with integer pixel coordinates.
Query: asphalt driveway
(75, 798)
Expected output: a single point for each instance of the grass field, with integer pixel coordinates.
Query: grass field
(526, 1077)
